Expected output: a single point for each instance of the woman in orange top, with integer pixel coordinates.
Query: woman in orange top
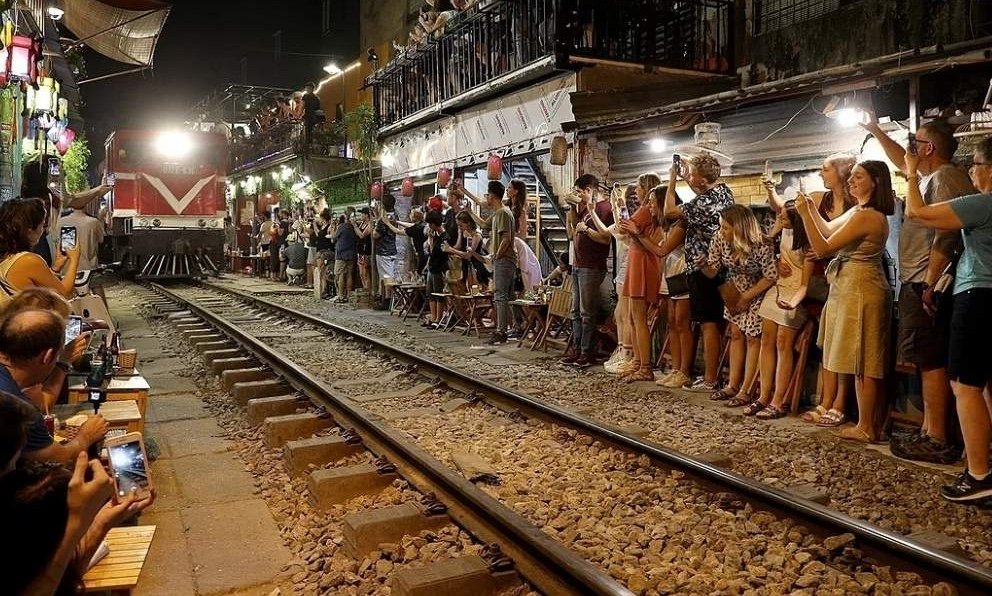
(643, 281)
(22, 223)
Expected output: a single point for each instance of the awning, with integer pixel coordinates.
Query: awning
(123, 30)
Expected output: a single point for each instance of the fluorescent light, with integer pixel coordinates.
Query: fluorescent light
(332, 69)
(658, 145)
(848, 117)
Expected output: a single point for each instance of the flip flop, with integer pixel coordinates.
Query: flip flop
(854, 433)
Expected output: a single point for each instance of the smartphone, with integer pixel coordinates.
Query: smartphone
(68, 237)
(73, 328)
(913, 146)
(129, 465)
(768, 169)
(111, 179)
(676, 159)
(54, 167)
(802, 184)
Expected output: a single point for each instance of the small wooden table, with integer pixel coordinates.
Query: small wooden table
(533, 319)
(477, 306)
(256, 262)
(119, 570)
(121, 388)
(118, 414)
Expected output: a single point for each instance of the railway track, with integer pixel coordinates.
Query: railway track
(546, 563)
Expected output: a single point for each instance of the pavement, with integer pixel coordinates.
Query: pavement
(214, 536)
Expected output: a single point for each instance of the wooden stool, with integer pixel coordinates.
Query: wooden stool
(118, 572)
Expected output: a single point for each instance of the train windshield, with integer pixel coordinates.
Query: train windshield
(143, 153)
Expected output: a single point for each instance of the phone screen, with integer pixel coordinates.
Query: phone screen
(111, 179)
(54, 167)
(912, 147)
(127, 460)
(73, 329)
(68, 236)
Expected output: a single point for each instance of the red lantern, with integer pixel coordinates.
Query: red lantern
(407, 188)
(65, 141)
(377, 190)
(494, 167)
(21, 59)
(443, 177)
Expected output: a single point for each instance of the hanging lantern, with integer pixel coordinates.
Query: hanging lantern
(55, 132)
(443, 177)
(65, 141)
(46, 121)
(45, 98)
(559, 150)
(407, 189)
(377, 190)
(22, 58)
(494, 167)
(63, 108)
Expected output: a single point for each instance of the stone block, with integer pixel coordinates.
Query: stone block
(211, 355)
(338, 485)
(245, 390)
(193, 330)
(221, 364)
(265, 407)
(298, 455)
(365, 530)
(454, 404)
(810, 492)
(452, 577)
(279, 429)
(240, 375)
(195, 340)
(210, 346)
(935, 539)
(715, 457)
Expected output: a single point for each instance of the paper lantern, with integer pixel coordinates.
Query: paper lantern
(68, 136)
(494, 167)
(45, 98)
(22, 59)
(407, 188)
(443, 177)
(559, 150)
(376, 190)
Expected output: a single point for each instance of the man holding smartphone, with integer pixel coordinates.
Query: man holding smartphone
(89, 236)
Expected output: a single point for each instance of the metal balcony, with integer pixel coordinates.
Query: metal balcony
(497, 44)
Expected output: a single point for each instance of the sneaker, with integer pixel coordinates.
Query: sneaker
(570, 357)
(583, 361)
(662, 377)
(612, 364)
(514, 334)
(699, 385)
(967, 489)
(926, 449)
(497, 339)
(675, 380)
(613, 359)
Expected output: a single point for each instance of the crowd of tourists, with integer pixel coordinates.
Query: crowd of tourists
(819, 269)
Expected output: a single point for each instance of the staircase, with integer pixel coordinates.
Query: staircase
(552, 235)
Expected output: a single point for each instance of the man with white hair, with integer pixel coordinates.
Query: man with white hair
(296, 258)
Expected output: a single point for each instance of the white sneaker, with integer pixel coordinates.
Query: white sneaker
(674, 380)
(663, 377)
(613, 367)
(613, 359)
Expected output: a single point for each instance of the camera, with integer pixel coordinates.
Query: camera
(97, 396)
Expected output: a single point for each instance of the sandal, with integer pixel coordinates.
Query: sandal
(813, 416)
(739, 400)
(832, 419)
(643, 374)
(854, 433)
(754, 407)
(722, 394)
(771, 413)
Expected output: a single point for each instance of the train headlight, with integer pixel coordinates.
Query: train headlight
(156, 222)
(173, 144)
(143, 222)
(202, 223)
(213, 223)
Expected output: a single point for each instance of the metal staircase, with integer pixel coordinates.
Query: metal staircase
(552, 235)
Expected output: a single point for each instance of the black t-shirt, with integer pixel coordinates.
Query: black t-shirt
(311, 103)
(437, 260)
(451, 226)
(418, 235)
(323, 242)
(385, 244)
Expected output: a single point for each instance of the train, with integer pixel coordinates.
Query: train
(168, 201)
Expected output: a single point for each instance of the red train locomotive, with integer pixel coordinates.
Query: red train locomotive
(168, 201)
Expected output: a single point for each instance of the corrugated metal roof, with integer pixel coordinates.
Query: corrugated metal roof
(801, 145)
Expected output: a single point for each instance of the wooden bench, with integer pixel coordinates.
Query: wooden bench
(118, 572)
(133, 387)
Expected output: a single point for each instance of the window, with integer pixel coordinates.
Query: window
(771, 15)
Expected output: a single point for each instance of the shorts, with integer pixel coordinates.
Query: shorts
(291, 271)
(705, 303)
(386, 265)
(971, 327)
(922, 339)
(435, 285)
(342, 266)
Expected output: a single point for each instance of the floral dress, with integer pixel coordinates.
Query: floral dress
(759, 264)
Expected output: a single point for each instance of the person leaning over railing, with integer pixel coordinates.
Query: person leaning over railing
(971, 318)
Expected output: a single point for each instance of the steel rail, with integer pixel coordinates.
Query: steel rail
(969, 576)
(546, 563)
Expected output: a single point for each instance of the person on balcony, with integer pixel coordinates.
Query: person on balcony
(312, 112)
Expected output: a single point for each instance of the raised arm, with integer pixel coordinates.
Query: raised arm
(672, 209)
(396, 230)
(893, 150)
(938, 216)
(82, 199)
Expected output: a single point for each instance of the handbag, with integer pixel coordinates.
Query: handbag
(678, 284)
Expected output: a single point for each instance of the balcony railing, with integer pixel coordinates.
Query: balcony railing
(501, 37)
(282, 139)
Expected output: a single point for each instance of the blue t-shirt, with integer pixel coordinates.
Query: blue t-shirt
(38, 437)
(975, 265)
(347, 242)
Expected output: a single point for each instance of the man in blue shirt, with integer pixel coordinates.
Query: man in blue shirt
(30, 345)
